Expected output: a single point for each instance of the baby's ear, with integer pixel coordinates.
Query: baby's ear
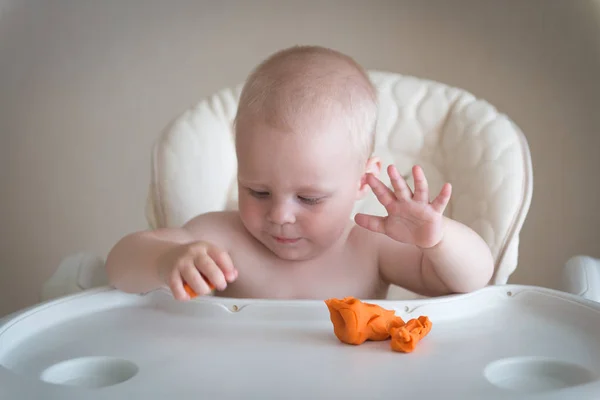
(373, 166)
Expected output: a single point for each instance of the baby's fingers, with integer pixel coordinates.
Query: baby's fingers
(401, 189)
(371, 222)
(195, 281)
(421, 185)
(224, 262)
(176, 286)
(210, 271)
(383, 193)
(441, 201)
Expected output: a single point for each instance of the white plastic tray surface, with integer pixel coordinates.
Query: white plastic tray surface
(502, 342)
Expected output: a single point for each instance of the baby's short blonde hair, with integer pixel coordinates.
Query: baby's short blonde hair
(308, 83)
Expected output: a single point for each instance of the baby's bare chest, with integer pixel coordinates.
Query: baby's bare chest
(351, 272)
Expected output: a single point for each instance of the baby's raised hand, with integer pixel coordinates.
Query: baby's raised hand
(412, 218)
(198, 264)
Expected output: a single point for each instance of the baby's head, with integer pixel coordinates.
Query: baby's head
(305, 132)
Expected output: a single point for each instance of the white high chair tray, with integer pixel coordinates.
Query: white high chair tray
(502, 342)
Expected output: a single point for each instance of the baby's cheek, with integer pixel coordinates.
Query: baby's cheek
(250, 212)
(332, 220)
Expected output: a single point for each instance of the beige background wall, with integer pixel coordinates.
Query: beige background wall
(86, 86)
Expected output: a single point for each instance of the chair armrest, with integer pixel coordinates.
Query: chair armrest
(581, 276)
(75, 273)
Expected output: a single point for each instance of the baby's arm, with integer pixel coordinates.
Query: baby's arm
(133, 263)
(461, 262)
(143, 261)
(421, 249)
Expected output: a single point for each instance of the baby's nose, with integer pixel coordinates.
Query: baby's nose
(282, 213)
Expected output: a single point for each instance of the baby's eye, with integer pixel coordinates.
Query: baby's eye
(258, 195)
(310, 200)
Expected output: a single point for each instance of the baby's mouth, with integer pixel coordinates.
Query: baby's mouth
(284, 240)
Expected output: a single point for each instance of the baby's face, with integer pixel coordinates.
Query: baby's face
(296, 191)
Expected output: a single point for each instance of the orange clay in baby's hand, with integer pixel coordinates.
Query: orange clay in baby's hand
(355, 322)
(191, 292)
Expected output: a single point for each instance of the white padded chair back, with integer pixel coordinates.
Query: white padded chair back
(454, 136)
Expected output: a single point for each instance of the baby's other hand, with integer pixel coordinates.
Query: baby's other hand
(412, 218)
(198, 264)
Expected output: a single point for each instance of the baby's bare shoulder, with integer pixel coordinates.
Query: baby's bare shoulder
(218, 228)
(363, 242)
(358, 233)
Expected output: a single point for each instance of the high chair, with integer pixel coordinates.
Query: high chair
(581, 276)
(453, 135)
(501, 342)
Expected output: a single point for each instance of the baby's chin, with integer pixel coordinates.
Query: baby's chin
(288, 253)
(301, 250)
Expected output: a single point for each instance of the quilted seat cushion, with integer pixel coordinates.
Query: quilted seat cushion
(454, 136)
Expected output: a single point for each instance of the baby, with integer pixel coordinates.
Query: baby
(305, 130)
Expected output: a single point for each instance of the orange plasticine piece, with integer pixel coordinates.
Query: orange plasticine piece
(355, 322)
(405, 338)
